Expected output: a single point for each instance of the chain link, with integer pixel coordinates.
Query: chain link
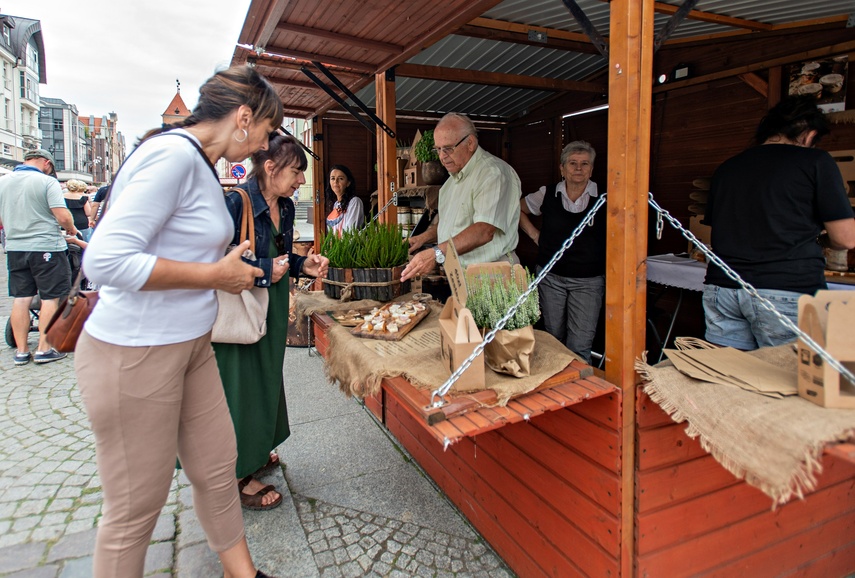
(713, 258)
(438, 395)
(392, 201)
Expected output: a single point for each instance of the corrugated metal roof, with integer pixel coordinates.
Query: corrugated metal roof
(410, 31)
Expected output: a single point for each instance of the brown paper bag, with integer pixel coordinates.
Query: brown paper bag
(510, 351)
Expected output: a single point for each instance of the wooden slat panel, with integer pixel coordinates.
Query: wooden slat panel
(717, 509)
(417, 399)
(800, 550)
(666, 445)
(660, 487)
(591, 440)
(604, 410)
(649, 414)
(602, 486)
(456, 480)
(374, 404)
(836, 563)
(739, 540)
(548, 523)
(565, 498)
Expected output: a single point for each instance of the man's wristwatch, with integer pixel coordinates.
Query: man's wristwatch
(440, 258)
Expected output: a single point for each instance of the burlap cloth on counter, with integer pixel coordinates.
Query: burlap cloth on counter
(773, 444)
(359, 370)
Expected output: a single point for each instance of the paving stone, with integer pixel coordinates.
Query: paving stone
(196, 561)
(28, 523)
(331, 572)
(11, 538)
(47, 533)
(164, 529)
(73, 546)
(79, 568)
(14, 558)
(159, 557)
(40, 572)
(189, 529)
(324, 559)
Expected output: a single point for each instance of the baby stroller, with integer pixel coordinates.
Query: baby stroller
(75, 254)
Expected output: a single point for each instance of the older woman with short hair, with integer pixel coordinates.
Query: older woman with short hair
(571, 295)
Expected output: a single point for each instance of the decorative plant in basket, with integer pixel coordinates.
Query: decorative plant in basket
(433, 172)
(366, 263)
(489, 297)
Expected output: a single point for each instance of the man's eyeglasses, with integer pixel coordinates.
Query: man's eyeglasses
(449, 150)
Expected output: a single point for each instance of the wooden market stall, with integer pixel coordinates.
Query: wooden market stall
(570, 483)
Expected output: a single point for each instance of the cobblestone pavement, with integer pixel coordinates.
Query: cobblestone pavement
(50, 502)
(348, 543)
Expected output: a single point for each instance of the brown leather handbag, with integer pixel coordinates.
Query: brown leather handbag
(65, 326)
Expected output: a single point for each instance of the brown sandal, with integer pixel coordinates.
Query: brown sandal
(272, 462)
(254, 501)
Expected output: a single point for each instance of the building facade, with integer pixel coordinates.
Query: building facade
(22, 57)
(105, 146)
(64, 136)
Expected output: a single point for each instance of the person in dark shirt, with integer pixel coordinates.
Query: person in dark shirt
(571, 295)
(767, 208)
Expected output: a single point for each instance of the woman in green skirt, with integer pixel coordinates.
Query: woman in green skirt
(252, 374)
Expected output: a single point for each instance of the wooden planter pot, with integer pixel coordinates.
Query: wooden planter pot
(369, 275)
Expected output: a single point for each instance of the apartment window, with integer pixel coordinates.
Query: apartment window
(7, 150)
(29, 88)
(7, 35)
(57, 124)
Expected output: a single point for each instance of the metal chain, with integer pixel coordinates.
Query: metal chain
(713, 258)
(393, 200)
(438, 394)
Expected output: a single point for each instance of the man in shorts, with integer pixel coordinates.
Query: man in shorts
(32, 210)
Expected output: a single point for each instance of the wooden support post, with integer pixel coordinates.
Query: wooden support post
(387, 164)
(773, 95)
(319, 178)
(630, 98)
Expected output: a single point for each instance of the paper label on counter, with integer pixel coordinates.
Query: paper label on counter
(409, 345)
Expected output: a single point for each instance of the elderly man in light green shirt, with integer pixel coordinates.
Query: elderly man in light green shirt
(478, 204)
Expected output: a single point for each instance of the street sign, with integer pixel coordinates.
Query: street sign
(238, 171)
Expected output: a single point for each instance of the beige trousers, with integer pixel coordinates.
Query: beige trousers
(148, 405)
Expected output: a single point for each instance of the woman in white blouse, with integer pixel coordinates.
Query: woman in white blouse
(344, 208)
(144, 363)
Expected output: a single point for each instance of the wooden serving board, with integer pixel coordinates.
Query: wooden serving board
(840, 277)
(386, 336)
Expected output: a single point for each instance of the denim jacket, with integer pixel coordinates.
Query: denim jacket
(264, 228)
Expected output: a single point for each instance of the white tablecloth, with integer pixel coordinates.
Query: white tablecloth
(687, 273)
(674, 271)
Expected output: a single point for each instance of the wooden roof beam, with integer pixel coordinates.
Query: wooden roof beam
(308, 57)
(303, 110)
(341, 38)
(825, 51)
(702, 16)
(518, 34)
(279, 81)
(270, 61)
(442, 29)
(495, 78)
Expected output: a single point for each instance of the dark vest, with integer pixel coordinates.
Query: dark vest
(586, 257)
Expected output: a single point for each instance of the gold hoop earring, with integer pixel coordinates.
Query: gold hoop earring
(245, 136)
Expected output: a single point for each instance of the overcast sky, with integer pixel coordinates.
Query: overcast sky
(124, 57)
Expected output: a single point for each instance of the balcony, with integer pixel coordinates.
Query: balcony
(31, 131)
